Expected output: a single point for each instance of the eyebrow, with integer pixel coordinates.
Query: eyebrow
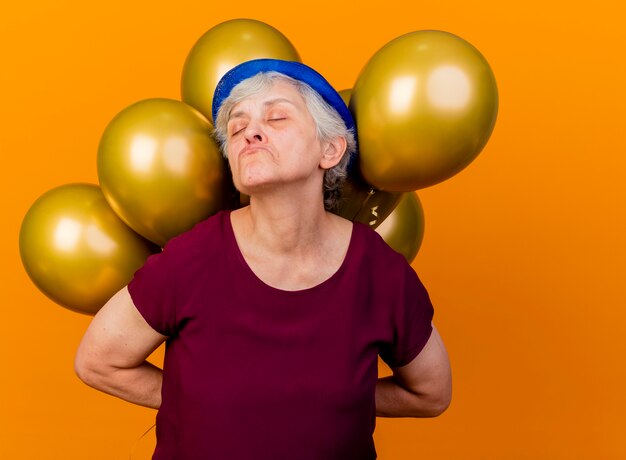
(278, 100)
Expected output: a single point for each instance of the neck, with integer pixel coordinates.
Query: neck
(281, 224)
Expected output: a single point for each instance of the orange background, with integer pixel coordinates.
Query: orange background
(523, 254)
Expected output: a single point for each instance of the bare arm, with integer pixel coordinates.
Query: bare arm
(112, 354)
(422, 388)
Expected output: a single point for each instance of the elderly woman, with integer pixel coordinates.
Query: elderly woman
(274, 314)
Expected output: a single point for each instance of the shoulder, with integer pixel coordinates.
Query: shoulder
(200, 239)
(370, 252)
(374, 246)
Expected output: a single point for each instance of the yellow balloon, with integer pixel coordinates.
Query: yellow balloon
(160, 169)
(223, 47)
(425, 105)
(76, 250)
(360, 202)
(403, 229)
(346, 94)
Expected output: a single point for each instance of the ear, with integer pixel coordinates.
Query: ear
(333, 150)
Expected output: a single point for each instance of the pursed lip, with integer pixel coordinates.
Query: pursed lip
(250, 149)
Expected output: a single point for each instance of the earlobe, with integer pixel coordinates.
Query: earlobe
(333, 151)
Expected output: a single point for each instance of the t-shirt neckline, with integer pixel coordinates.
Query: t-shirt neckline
(232, 241)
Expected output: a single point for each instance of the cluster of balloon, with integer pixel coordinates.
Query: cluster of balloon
(160, 173)
(424, 105)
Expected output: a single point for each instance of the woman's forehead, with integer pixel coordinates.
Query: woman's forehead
(279, 93)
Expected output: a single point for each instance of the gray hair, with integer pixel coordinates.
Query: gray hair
(329, 125)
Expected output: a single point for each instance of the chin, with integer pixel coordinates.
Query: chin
(251, 185)
(252, 176)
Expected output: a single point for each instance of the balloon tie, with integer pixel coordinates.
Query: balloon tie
(370, 194)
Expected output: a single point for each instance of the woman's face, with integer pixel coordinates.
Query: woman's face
(272, 141)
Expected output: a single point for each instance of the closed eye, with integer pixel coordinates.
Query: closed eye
(237, 130)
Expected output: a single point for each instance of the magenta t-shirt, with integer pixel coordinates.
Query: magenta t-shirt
(255, 372)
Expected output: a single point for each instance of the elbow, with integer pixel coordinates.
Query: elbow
(440, 396)
(439, 405)
(82, 369)
(435, 403)
(87, 369)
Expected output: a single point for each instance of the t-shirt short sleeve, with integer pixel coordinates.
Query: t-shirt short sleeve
(411, 320)
(152, 290)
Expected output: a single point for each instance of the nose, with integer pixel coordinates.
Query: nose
(254, 133)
